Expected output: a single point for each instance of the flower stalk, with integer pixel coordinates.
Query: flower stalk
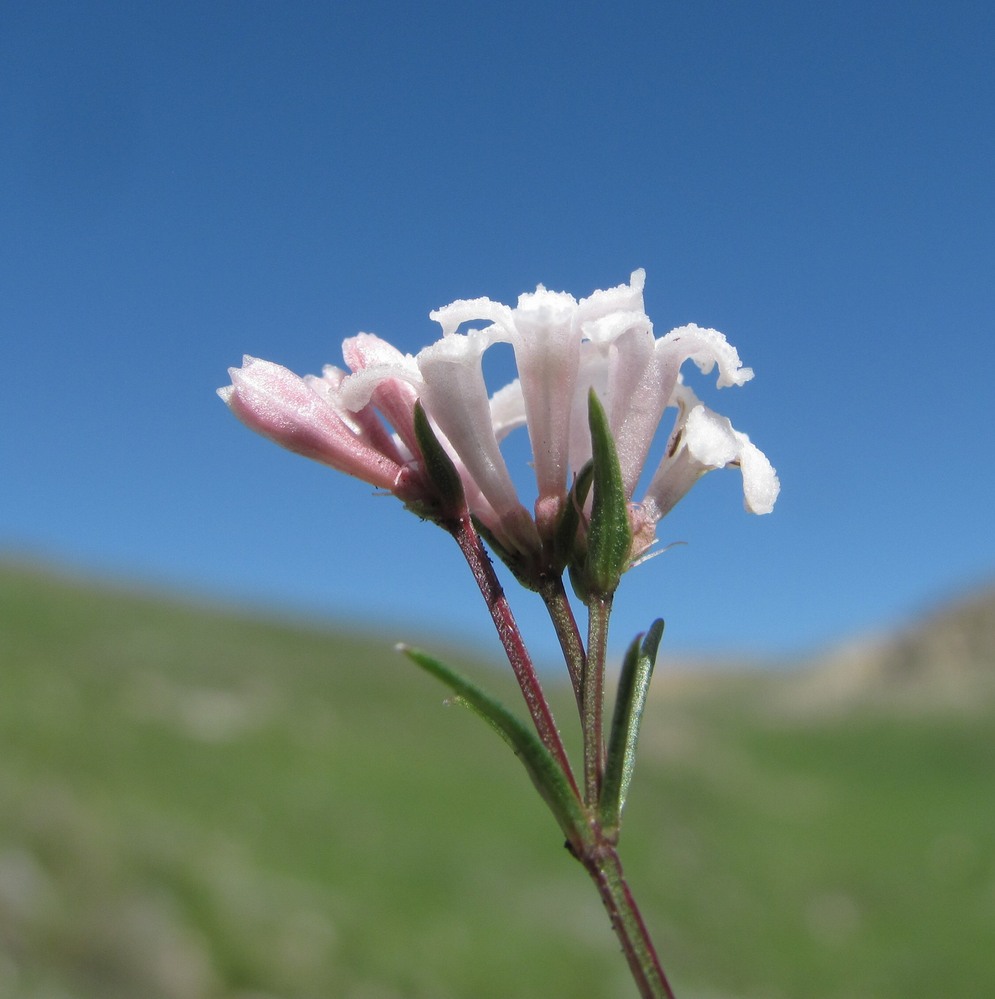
(605, 869)
(599, 610)
(554, 596)
(511, 639)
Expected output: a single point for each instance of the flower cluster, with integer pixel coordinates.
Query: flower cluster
(363, 421)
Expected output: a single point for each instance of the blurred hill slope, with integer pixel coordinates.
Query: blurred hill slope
(944, 659)
(201, 804)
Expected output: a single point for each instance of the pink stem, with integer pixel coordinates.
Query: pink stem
(511, 638)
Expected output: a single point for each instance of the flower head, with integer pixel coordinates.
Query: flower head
(563, 349)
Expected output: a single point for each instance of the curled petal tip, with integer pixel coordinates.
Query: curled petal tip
(761, 486)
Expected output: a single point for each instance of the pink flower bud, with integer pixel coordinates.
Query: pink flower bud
(282, 406)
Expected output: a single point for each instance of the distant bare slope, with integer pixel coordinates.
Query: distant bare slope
(947, 658)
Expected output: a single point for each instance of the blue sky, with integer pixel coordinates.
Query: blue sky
(184, 183)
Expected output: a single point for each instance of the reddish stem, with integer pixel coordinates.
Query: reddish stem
(511, 638)
(603, 865)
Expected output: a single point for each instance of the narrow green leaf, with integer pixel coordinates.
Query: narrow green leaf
(546, 775)
(609, 536)
(438, 465)
(633, 685)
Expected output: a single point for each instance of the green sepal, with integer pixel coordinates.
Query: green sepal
(579, 584)
(565, 538)
(633, 685)
(582, 485)
(438, 465)
(609, 535)
(546, 775)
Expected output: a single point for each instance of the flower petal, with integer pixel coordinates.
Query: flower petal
(451, 317)
(761, 485)
(704, 440)
(364, 423)
(455, 395)
(547, 353)
(384, 375)
(706, 347)
(622, 298)
(508, 409)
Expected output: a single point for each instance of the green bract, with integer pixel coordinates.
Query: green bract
(439, 466)
(609, 535)
(633, 685)
(546, 775)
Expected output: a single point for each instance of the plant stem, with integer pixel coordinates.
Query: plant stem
(589, 843)
(593, 690)
(514, 647)
(603, 865)
(554, 596)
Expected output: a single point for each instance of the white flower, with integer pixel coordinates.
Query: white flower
(548, 331)
(563, 348)
(703, 440)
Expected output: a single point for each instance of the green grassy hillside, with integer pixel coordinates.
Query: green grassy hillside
(197, 805)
